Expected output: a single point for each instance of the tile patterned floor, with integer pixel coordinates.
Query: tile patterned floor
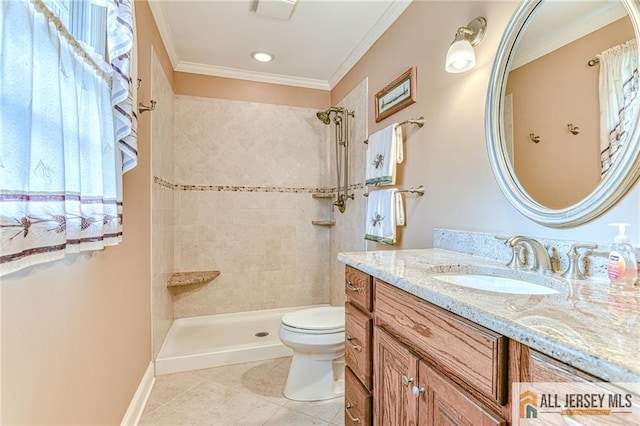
(242, 394)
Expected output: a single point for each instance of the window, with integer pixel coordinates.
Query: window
(67, 126)
(86, 21)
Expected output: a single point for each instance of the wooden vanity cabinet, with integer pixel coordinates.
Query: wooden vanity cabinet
(419, 365)
(358, 347)
(410, 392)
(413, 363)
(420, 354)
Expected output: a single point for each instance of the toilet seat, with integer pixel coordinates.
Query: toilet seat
(323, 320)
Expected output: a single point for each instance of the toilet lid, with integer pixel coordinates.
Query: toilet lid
(323, 318)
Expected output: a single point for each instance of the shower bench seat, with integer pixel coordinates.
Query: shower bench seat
(194, 277)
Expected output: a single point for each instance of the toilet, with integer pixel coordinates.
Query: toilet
(316, 336)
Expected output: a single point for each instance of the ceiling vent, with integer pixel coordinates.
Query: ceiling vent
(279, 9)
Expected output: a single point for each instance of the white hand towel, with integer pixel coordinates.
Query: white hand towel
(384, 211)
(384, 151)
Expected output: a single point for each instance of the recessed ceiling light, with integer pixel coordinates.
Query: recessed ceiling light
(262, 56)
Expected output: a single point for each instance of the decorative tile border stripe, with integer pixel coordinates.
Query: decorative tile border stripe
(240, 188)
(164, 183)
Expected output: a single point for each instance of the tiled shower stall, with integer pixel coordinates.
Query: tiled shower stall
(233, 185)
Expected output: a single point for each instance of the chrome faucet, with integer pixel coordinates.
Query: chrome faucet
(541, 258)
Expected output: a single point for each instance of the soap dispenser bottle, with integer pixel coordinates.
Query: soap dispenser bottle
(623, 265)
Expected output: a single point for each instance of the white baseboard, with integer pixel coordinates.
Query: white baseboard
(139, 401)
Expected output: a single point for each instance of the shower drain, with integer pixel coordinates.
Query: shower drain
(262, 334)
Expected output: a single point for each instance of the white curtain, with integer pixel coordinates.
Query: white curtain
(618, 85)
(61, 160)
(121, 49)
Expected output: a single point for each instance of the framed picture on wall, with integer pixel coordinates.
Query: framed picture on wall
(398, 94)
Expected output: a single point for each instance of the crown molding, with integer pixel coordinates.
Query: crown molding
(395, 9)
(262, 77)
(165, 32)
(568, 35)
(389, 16)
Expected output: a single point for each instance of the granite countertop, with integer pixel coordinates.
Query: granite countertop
(589, 324)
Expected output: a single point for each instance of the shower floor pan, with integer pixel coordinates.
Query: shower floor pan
(216, 340)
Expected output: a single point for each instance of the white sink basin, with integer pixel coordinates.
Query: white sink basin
(495, 284)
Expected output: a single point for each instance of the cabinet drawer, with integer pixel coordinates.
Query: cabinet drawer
(358, 331)
(545, 369)
(357, 401)
(472, 354)
(357, 285)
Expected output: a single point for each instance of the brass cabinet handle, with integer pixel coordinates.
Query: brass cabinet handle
(351, 287)
(418, 390)
(355, 347)
(407, 380)
(353, 419)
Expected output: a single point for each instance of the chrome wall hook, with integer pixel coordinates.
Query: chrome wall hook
(573, 129)
(534, 138)
(142, 107)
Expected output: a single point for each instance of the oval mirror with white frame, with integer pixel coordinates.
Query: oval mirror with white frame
(543, 119)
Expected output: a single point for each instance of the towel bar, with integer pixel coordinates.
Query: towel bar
(415, 121)
(419, 190)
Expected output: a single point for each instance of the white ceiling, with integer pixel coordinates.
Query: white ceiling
(557, 23)
(315, 48)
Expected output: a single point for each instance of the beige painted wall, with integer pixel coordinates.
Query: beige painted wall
(76, 334)
(448, 155)
(548, 93)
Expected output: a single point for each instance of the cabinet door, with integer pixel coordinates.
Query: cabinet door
(395, 373)
(442, 403)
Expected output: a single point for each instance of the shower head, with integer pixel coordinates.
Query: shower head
(324, 116)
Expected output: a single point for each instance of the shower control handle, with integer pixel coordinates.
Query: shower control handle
(347, 409)
(351, 287)
(355, 347)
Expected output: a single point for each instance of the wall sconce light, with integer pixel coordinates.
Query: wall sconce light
(461, 57)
